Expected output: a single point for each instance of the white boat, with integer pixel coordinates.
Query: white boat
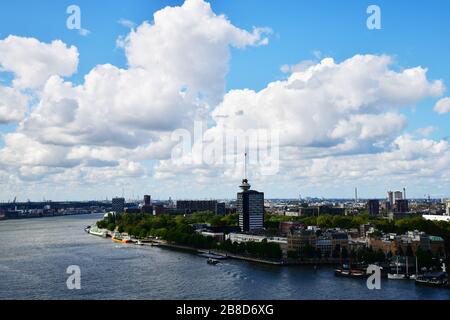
(397, 275)
(212, 261)
(98, 232)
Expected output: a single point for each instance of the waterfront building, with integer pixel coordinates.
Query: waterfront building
(247, 237)
(299, 238)
(118, 205)
(192, 206)
(339, 240)
(325, 245)
(286, 226)
(250, 206)
(217, 236)
(410, 242)
(373, 206)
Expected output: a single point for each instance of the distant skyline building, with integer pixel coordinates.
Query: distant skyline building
(250, 206)
(398, 195)
(373, 207)
(390, 196)
(401, 206)
(118, 205)
(191, 206)
(147, 206)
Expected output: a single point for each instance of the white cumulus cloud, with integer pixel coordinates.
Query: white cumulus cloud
(33, 62)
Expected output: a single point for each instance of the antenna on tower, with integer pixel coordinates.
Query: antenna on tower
(245, 186)
(245, 166)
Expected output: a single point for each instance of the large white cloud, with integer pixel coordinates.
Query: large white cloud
(328, 111)
(176, 69)
(33, 62)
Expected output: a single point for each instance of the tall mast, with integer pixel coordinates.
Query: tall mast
(245, 166)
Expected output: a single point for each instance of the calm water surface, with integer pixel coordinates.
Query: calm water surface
(35, 253)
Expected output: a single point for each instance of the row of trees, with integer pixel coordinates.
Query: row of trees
(179, 230)
(144, 225)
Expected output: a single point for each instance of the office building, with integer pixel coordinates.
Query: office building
(118, 205)
(447, 208)
(373, 206)
(250, 206)
(398, 195)
(390, 196)
(401, 206)
(147, 206)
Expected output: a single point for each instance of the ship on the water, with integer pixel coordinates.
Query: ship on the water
(434, 279)
(119, 238)
(96, 231)
(346, 270)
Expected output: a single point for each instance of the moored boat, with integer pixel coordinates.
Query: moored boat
(118, 238)
(212, 261)
(213, 256)
(396, 272)
(98, 232)
(346, 271)
(434, 279)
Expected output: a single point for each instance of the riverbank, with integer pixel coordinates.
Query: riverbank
(172, 246)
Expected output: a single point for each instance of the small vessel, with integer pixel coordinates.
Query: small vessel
(347, 271)
(139, 243)
(98, 232)
(117, 237)
(395, 274)
(212, 256)
(212, 261)
(434, 279)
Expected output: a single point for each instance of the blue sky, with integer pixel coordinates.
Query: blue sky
(414, 33)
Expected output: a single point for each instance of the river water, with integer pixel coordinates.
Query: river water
(35, 255)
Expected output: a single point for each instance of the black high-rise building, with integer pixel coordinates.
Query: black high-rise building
(250, 206)
(401, 206)
(373, 207)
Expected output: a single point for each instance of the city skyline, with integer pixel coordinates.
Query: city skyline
(86, 113)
